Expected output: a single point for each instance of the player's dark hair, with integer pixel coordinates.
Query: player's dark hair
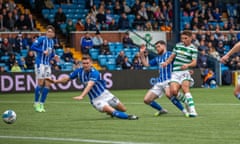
(162, 42)
(86, 57)
(187, 33)
(51, 27)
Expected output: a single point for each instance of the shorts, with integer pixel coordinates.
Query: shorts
(159, 88)
(180, 76)
(43, 71)
(106, 98)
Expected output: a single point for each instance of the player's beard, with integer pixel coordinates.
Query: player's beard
(160, 52)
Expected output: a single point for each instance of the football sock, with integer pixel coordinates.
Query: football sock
(182, 98)
(156, 106)
(238, 96)
(44, 94)
(177, 103)
(120, 114)
(189, 99)
(38, 90)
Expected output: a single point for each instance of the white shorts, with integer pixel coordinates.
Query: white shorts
(43, 71)
(181, 76)
(159, 88)
(106, 98)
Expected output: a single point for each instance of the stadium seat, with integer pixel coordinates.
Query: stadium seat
(4, 58)
(24, 52)
(111, 59)
(111, 65)
(102, 59)
(67, 66)
(45, 13)
(59, 52)
(94, 53)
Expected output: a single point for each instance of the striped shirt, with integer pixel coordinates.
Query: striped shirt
(92, 75)
(40, 45)
(184, 55)
(164, 72)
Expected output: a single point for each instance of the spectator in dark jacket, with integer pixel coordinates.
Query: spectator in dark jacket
(86, 43)
(30, 60)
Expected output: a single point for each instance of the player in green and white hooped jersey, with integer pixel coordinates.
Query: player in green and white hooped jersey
(185, 57)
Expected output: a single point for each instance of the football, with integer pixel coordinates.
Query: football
(9, 116)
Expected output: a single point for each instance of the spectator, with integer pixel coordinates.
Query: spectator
(9, 22)
(126, 63)
(30, 60)
(104, 49)
(208, 78)
(49, 4)
(15, 67)
(136, 65)
(113, 26)
(109, 17)
(202, 60)
(118, 9)
(21, 23)
(120, 58)
(101, 17)
(125, 7)
(212, 51)
(97, 40)
(79, 25)
(2, 69)
(31, 23)
(86, 43)
(123, 22)
(69, 28)
(67, 55)
(89, 26)
(136, 7)
(18, 46)
(6, 47)
(2, 27)
(138, 23)
(59, 17)
(220, 48)
(76, 64)
(127, 41)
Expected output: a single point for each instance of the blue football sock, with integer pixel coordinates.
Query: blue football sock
(238, 96)
(44, 94)
(38, 90)
(177, 103)
(156, 106)
(119, 114)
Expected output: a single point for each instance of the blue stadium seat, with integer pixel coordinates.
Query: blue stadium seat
(67, 66)
(45, 13)
(4, 58)
(111, 65)
(24, 52)
(94, 53)
(111, 58)
(59, 52)
(102, 59)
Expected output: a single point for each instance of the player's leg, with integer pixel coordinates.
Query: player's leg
(110, 104)
(237, 91)
(188, 95)
(38, 89)
(149, 99)
(45, 90)
(174, 90)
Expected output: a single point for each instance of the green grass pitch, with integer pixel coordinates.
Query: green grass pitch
(68, 121)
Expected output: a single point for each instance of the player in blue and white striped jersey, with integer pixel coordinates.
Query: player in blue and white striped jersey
(162, 85)
(94, 86)
(44, 49)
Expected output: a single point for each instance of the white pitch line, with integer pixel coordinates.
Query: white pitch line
(70, 140)
(134, 103)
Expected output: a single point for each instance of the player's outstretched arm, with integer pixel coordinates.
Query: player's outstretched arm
(62, 80)
(169, 60)
(85, 91)
(236, 48)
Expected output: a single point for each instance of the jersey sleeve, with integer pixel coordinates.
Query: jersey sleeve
(74, 74)
(194, 54)
(36, 46)
(94, 75)
(153, 62)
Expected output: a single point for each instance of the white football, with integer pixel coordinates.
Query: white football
(9, 116)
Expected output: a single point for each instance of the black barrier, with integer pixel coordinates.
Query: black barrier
(115, 80)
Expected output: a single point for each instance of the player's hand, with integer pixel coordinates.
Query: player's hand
(224, 59)
(183, 67)
(78, 98)
(164, 64)
(50, 80)
(46, 52)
